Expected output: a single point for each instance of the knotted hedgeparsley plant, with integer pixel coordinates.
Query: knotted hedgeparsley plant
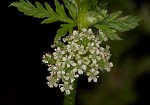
(80, 45)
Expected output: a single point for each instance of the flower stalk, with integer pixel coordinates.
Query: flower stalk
(71, 98)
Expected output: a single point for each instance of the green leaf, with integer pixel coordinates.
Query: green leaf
(128, 22)
(102, 14)
(123, 23)
(50, 20)
(110, 33)
(111, 23)
(61, 12)
(60, 9)
(113, 16)
(74, 2)
(84, 14)
(71, 8)
(29, 9)
(39, 6)
(63, 30)
(40, 11)
(102, 5)
(49, 9)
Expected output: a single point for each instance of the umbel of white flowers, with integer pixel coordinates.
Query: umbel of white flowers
(82, 53)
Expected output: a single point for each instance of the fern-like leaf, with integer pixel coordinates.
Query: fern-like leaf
(61, 12)
(81, 17)
(63, 30)
(39, 11)
(110, 33)
(123, 23)
(29, 9)
(113, 16)
(111, 23)
(71, 8)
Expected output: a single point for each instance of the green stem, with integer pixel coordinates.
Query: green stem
(71, 98)
(82, 22)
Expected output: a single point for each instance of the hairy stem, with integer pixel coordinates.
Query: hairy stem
(71, 98)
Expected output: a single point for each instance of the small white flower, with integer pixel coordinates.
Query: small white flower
(62, 52)
(84, 67)
(58, 53)
(93, 75)
(64, 39)
(97, 52)
(94, 61)
(66, 87)
(105, 39)
(66, 78)
(89, 31)
(101, 49)
(70, 76)
(86, 60)
(72, 47)
(69, 48)
(92, 51)
(80, 71)
(67, 92)
(79, 62)
(49, 69)
(45, 58)
(82, 50)
(52, 82)
(108, 68)
(53, 46)
(84, 30)
(98, 44)
(71, 37)
(60, 73)
(92, 36)
(111, 64)
(73, 63)
(76, 76)
(92, 44)
(77, 56)
(89, 37)
(74, 70)
(66, 60)
(72, 54)
(100, 32)
(75, 32)
(44, 61)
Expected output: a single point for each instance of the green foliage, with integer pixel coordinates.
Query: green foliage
(123, 23)
(82, 14)
(48, 14)
(110, 33)
(72, 8)
(29, 9)
(63, 30)
(111, 23)
(61, 13)
(86, 5)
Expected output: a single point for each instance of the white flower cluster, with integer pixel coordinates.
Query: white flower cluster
(81, 54)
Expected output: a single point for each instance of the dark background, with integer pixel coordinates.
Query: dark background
(23, 41)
